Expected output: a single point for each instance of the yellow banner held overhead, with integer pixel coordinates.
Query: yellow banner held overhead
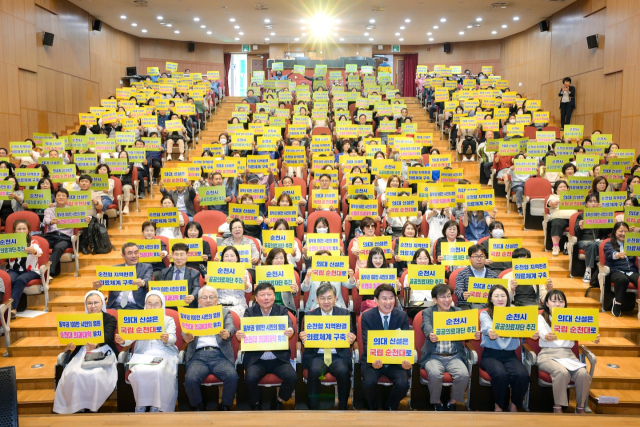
(323, 242)
(531, 271)
(424, 277)
(264, 333)
(195, 248)
(287, 213)
(403, 206)
(390, 347)
(455, 325)
(117, 278)
(516, 322)
(371, 278)
(324, 199)
(149, 249)
(247, 213)
(365, 244)
(327, 331)
(502, 249)
(227, 275)
(455, 253)
(283, 239)
(201, 322)
(164, 217)
(330, 269)
(577, 324)
(479, 200)
(479, 288)
(282, 277)
(174, 291)
(141, 324)
(80, 329)
(409, 245)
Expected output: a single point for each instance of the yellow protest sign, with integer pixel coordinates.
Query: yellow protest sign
(479, 288)
(201, 322)
(390, 347)
(141, 324)
(288, 213)
(195, 248)
(424, 277)
(324, 199)
(578, 324)
(632, 243)
(330, 269)
(174, 177)
(293, 191)
(117, 278)
(455, 325)
(283, 239)
(365, 244)
(516, 322)
(442, 197)
(227, 275)
(371, 278)
(501, 249)
(174, 291)
(148, 249)
(479, 200)
(360, 209)
(409, 245)
(264, 333)
(327, 331)
(403, 206)
(256, 191)
(173, 125)
(164, 217)
(13, 245)
(455, 253)
(247, 213)
(80, 328)
(323, 242)
(531, 271)
(280, 276)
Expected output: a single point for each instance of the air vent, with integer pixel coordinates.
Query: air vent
(499, 5)
(269, 26)
(371, 27)
(379, 8)
(473, 24)
(261, 6)
(140, 3)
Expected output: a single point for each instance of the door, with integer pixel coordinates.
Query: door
(401, 76)
(256, 65)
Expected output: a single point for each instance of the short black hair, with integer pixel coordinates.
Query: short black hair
(521, 253)
(566, 79)
(195, 224)
(85, 176)
(180, 247)
(477, 248)
(262, 286)
(324, 288)
(440, 289)
(382, 288)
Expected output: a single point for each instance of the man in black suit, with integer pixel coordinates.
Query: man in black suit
(384, 317)
(180, 271)
(130, 300)
(313, 359)
(257, 364)
(567, 101)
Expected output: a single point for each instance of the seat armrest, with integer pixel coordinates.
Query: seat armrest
(472, 355)
(588, 354)
(530, 357)
(181, 357)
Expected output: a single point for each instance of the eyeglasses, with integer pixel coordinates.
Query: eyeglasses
(327, 299)
(370, 226)
(478, 257)
(91, 304)
(156, 305)
(446, 296)
(210, 298)
(387, 299)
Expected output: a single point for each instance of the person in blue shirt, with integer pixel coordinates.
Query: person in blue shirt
(478, 255)
(215, 87)
(279, 76)
(476, 223)
(499, 357)
(154, 158)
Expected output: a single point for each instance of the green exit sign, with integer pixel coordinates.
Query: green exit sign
(395, 48)
(247, 48)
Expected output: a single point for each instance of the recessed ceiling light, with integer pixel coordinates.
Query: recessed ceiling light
(337, 21)
(429, 33)
(443, 19)
(273, 34)
(296, 39)
(371, 39)
(209, 32)
(196, 19)
(144, 31)
(304, 34)
(372, 21)
(123, 17)
(241, 33)
(177, 32)
(504, 26)
(335, 34)
(266, 38)
(232, 19)
(169, 25)
(303, 28)
(516, 18)
(267, 20)
(402, 28)
(160, 18)
(237, 38)
(236, 26)
(435, 27)
(203, 26)
(494, 32)
(366, 34)
(302, 21)
(401, 40)
(478, 19)
(133, 24)
(468, 26)
(407, 20)
(431, 39)
(461, 33)
(341, 39)
(397, 34)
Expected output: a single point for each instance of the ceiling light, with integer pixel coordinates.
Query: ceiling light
(341, 39)
(236, 26)
(267, 21)
(478, 19)
(397, 34)
(296, 39)
(133, 24)
(320, 25)
(431, 39)
(429, 33)
(461, 33)
(144, 31)
(402, 28)
(232, 19)
(203, 26)
(241, 33)
(337, 21)
(401, 40)
(209, 32)
(407, 20)
(469, 26)
(169, 25)
(504, 26)
(304, 34)
(302, 21)
(372, 21)
(443, 19)
(237, 38)
(196, 19)
(516, 18)
(160, 18)
(303, 28)
(273, 34)
(266, 38)
(366, 34)
(123, 17)
(335, 34)
(494, 32)
(371, 39)
(177, 32)
(435, 27)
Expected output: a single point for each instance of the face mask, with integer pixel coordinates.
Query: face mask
(512, 121)
(498, 233)
(223, 141)
(322, 230)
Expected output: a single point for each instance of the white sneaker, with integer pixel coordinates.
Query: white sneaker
(556, 251)
(181, 158)
(587, 277)
(169, 158)
(125, 210)
(464, 159)
(473, 158)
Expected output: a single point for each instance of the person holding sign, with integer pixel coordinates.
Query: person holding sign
(476, 223)
(368, 227)
(278, 256)
(237, 228)
(149, 233)
(211, 354)
(623, 268)
(526, 294)
(499, 357)
(589, 239)
(180, 271)
(130, 300)
(496, 230)
(311, 286)
(155, 384)
(234, 298)
(451, 232)
(395, 224)
(14, 204)
(567, 101)
(257, 364)
(177, 136)
(294, 257)
(383, 316)
(285, 201)
(439, 356)
(25, 269)
(517, 182)
(411, 231)
(82, 388)
(317, 361)
(559, 218)
(43, 184)
(551, 349)
(170, 232)
(182, 197)
(478, 255)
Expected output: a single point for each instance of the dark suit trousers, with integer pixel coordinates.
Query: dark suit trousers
(505, 370)
(282, 370)
(398, 376)
(566, 108)
(203, 363)
(339, 368)
(58, 243)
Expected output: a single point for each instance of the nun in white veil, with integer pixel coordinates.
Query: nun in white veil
(155, 385)
(84, 389)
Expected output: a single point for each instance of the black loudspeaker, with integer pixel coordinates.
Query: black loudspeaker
(447, 47)
(592, 41)
(544, 26)
(97, 25)
(47, 38)
(192, 47)
(132, 71)
(8, 397)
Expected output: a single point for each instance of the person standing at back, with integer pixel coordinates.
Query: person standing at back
(567, 101)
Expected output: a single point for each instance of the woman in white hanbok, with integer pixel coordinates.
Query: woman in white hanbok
(156, 385)
(86, 390)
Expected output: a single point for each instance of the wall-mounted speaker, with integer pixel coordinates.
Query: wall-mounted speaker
(544, 26)
(8, 397)
(192, 47)
(47, 38)
(592, 41)
(132, 71)
(97, 25)
(447, 47)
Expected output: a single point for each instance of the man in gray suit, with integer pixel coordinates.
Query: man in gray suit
(131, 300)
(180, 271)
(211, 354)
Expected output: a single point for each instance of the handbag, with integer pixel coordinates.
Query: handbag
(98, 360)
